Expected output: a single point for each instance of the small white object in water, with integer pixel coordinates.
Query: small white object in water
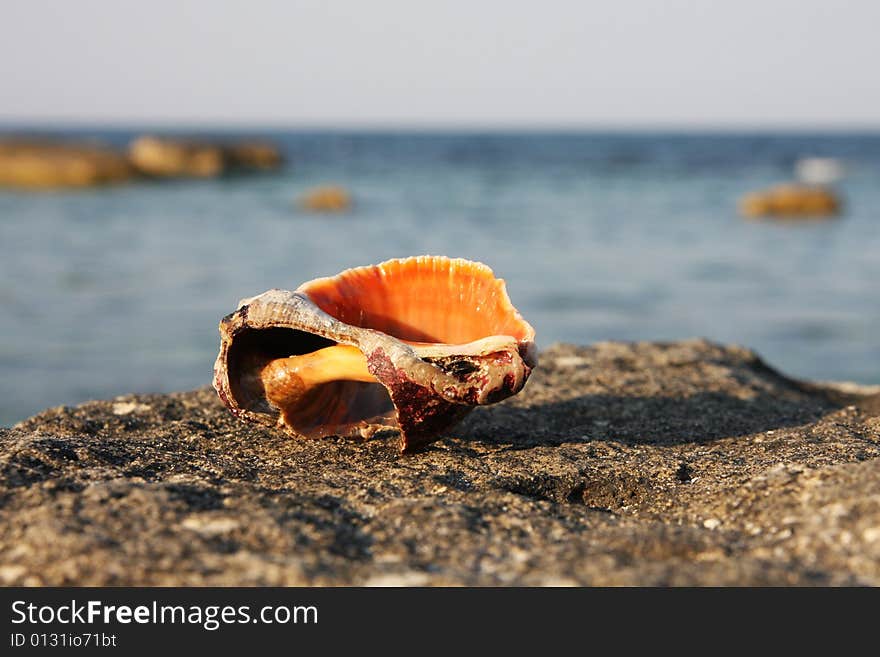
(819, 170)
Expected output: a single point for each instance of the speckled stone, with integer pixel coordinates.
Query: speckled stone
(686, 463)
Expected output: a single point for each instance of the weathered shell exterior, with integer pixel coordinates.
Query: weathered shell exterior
(473, 348)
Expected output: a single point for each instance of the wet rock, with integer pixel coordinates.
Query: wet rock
(652, 464)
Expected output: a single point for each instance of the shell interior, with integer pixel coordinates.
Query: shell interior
(422, 299)
(333, 408)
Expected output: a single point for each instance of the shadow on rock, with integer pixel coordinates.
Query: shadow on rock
(699, 418)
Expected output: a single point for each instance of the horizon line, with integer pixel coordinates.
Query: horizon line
(433, 127)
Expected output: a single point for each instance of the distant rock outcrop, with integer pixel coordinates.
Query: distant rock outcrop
(176, 158)
(791, 201)
(254, 155)
(43, 164)
(49, 163)
(328, 198)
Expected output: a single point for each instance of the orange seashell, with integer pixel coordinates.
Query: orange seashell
(409, 344)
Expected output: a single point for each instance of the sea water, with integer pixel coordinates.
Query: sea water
(599, 237)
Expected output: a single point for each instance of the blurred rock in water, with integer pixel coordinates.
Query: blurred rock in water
(791, 201)
(164, 158)
(43, 164)
(173, 158)
(329, 198)
(254, 155)
(47, 163)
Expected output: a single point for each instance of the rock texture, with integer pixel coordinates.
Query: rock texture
(650, 464)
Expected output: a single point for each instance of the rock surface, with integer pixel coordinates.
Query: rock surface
(652, 464)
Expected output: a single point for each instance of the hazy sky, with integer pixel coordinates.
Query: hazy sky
(790, 63)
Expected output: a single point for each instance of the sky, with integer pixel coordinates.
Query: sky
(456, 63)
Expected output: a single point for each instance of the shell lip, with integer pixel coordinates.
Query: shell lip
(525, 332)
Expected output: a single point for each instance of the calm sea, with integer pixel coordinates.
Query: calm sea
(599, 236)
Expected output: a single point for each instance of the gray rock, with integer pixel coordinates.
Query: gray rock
(652, 464)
